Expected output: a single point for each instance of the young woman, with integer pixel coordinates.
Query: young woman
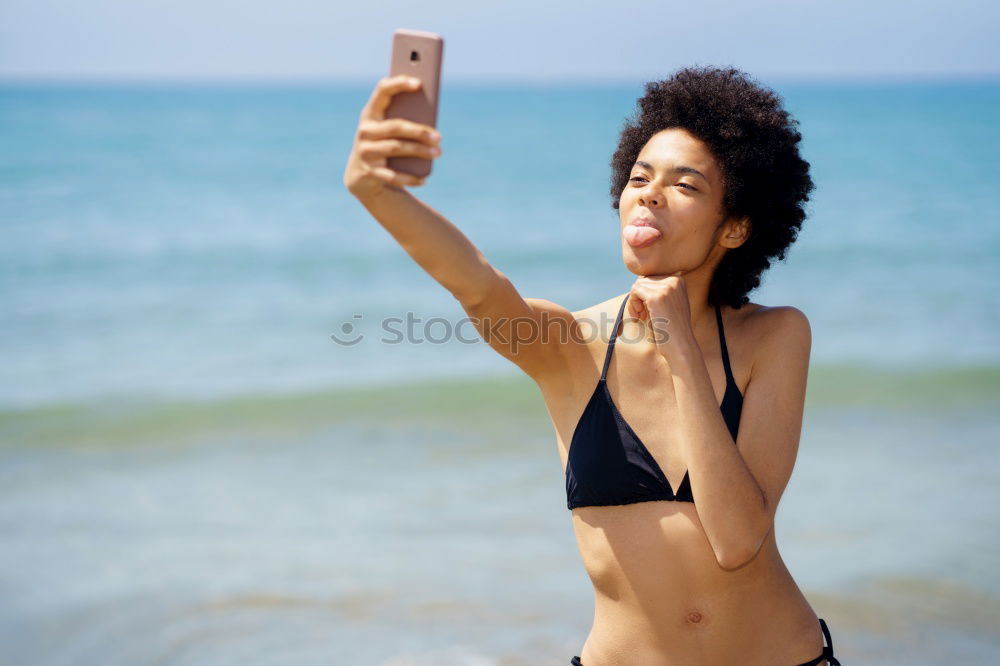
(677, 426)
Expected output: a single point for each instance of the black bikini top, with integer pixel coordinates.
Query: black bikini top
(608, 463)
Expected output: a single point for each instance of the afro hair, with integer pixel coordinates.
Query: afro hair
(755, 142)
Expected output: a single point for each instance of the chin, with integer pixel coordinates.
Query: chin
(650, 266)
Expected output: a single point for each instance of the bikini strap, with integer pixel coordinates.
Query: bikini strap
(828, 649)
(722, 343)
(611, 340)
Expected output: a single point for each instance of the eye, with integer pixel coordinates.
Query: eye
(695, 189)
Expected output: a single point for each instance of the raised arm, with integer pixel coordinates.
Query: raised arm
(528, 332)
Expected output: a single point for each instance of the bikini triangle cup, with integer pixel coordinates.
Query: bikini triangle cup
(608, 463)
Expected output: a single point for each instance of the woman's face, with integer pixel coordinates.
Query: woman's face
(676, 188)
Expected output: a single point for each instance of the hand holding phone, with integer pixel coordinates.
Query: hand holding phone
(396, 139)
(418, 54)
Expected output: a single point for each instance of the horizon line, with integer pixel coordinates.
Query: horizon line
(459, 81)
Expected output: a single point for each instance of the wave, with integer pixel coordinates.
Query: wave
(460, 403)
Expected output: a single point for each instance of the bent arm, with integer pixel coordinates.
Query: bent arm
(528, 332)
(737, 488)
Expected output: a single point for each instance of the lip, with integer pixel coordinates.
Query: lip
(645, 222)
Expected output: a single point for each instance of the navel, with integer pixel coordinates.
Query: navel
(694, 617)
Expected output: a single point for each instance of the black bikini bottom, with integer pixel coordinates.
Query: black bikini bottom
(827, 651)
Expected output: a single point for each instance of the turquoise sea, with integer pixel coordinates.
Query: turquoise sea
(193, 471)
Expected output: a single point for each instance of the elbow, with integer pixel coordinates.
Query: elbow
(743, 547)
(738, 555)
(733, 558)
(473, 293)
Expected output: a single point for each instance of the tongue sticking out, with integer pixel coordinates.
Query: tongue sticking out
(639, 236)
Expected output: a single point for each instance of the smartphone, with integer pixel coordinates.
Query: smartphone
(415, 53)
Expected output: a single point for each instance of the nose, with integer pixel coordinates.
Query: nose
(649, 198)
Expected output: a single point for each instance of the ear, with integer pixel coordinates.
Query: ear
(735, 232)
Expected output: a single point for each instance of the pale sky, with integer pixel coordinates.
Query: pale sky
(502, 40)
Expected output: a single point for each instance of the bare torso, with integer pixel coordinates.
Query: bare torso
(661, 597)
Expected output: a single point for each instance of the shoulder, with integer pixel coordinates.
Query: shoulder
(779, 332)
(583, 344)
(777, 320)
(597, 320)
(579, 326)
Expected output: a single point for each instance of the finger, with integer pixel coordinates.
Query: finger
(372, 150)
(637, 296)
(392, 177)
(382, 95)
(398, 128)
(635, 307)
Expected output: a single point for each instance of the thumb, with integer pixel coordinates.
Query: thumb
(636, 308)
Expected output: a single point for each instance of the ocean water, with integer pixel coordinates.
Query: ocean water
(193, 471)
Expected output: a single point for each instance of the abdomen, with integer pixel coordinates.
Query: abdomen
(661, 596)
